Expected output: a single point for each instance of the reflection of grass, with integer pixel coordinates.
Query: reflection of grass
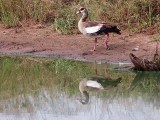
(28, 75)
(68, 73)
(23, 78)
(20, 77)
(148, 84)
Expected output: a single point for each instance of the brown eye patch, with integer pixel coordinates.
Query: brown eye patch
(82, 9)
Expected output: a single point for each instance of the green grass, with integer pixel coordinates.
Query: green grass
(9, 20)
(64, 25)
(134, 15)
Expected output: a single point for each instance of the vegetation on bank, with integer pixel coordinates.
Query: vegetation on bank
(135, 15)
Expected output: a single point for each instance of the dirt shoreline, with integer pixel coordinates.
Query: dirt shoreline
(43, 41)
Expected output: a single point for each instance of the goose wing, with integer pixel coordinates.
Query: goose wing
(93, 26)
(100, 27)
(94, 84)
(93, 29)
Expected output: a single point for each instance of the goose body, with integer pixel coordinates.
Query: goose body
(95, 83)
(95, 29)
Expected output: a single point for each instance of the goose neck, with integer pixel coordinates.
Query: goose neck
(84, 97)
(84, 16)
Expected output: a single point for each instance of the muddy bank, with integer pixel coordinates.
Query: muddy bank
(44, 42)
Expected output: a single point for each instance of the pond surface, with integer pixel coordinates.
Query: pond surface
(40, 89)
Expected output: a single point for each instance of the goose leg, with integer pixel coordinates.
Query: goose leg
(106, 41)
(95, 44)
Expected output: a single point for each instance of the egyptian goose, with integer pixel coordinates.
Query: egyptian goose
(95, 83)
(95, 29)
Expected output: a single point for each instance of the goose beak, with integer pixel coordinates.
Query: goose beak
(78, 12)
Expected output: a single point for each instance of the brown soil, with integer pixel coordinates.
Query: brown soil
(42, 40)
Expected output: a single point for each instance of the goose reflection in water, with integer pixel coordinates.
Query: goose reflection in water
(95, 83)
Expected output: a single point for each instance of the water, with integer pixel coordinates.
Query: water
(40, 89)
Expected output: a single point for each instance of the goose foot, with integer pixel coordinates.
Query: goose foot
(106, 42)
(107, 47)
(94, 45)
(93, 50)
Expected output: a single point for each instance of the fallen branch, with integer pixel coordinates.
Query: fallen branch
(142, 64)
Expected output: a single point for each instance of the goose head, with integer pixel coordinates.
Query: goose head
(84, 98)
(86, 85)
(84, 13)
(82, 10)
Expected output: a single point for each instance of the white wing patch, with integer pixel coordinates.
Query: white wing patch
(94, 84)
(93, 29)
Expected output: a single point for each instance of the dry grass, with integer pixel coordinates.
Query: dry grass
(135, 15)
